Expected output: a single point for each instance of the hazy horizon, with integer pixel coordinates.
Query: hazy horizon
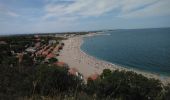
(30, 33)
(43, 16)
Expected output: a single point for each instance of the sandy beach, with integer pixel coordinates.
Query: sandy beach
(88, 65)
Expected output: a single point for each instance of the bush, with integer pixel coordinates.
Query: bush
(14, 83)
(125, 86)
(53, 60)
(52, 80)
(167, 92)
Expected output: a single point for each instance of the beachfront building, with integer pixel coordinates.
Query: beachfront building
(51, 58)
(59, 35)
(93, 76)
(36, 36)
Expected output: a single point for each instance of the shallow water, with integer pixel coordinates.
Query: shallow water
(142, 49)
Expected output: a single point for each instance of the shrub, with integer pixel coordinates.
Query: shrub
(124, 85)
(52, 80)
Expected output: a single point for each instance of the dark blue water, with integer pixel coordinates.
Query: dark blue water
(142, 49)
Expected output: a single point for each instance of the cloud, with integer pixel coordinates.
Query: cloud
(131, 5)
(80, 8)
(6, 11)
(65, 15)
(160, 8)
(13, 14)
(95, 8)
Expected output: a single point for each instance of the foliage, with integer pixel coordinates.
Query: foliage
(32, 78)
(52, 60)
(125, 86)
(13, 82)
(52, 80)
(167, 92)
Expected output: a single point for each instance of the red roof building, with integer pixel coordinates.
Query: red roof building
(93, 76)
(3, 42)
(50, 56)
(61, 64)
(45, 53)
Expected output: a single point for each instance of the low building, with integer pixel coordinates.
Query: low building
(49, 56)
(36, 36)
(45, 53)
(3, 42)
(38, 44)
(93, 76)
(59, 35)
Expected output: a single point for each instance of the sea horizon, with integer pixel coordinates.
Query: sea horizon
(63, 32)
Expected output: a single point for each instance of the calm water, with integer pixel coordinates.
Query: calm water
(142, 49)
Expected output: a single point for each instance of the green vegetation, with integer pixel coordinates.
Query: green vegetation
(55, 82)
(52, 80)
(34, 80)
(125, 85)
(53, 60)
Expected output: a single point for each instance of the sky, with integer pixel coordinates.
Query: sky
(32, 16)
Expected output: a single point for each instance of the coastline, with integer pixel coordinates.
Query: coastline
(88, 65)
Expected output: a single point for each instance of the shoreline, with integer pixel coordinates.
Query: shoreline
(88, 65)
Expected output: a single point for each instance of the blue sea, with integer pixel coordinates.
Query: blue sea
(141, 49)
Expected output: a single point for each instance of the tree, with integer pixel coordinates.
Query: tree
(106, 72)
(52, 60)
(125, 85)
(52, 80)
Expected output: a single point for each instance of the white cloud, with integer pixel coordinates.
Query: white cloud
(13, 14)
(129, 5)
(6, 11)
(81, 8)
(87, 8)
(160, 8)
(65, 15)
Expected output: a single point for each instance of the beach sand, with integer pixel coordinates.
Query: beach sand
(88, 65)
